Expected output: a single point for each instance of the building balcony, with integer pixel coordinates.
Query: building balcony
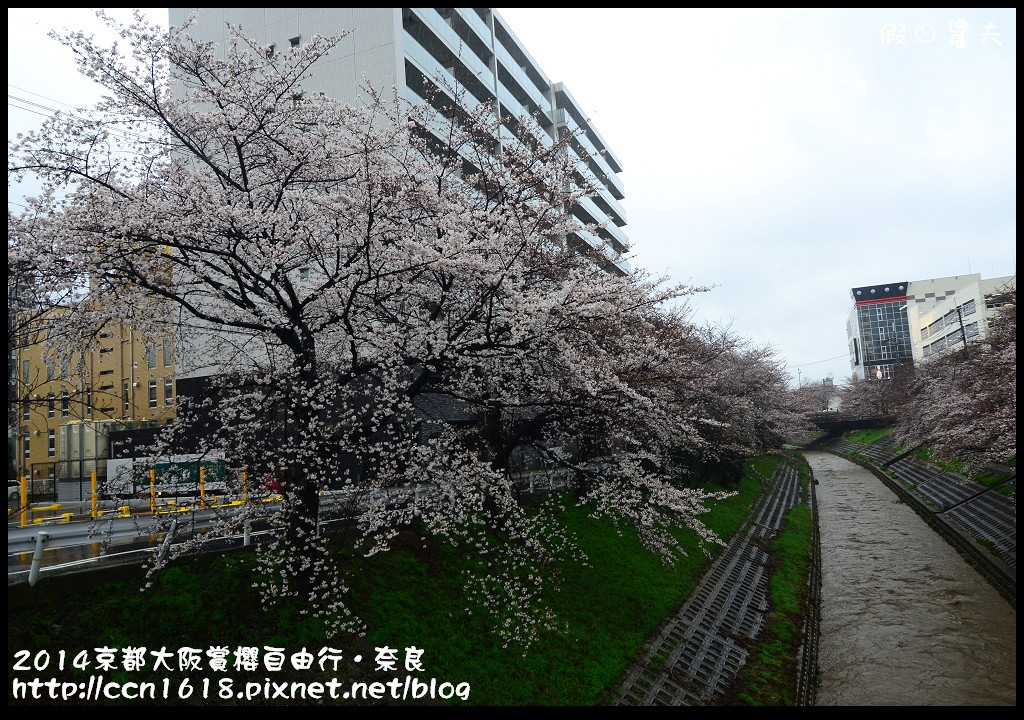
(444, 32)
(517, 73)
(565, 120)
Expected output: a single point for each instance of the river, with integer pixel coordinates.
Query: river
(904, 619)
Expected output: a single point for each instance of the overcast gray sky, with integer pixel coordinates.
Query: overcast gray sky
(783, 156)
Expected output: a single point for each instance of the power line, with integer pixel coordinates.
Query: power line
(34, 112)
(816, 362)
(125, 134)
(45, 97)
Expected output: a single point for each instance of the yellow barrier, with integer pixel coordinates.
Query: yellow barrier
(62, 518)
(170, 509)
(45, 508)
(24, 500)
(233, 503)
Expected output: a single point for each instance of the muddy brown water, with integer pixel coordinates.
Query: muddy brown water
(904, 619)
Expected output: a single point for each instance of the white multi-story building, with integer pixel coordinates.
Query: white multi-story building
(417, 50)
(958, 316)
(913, 321)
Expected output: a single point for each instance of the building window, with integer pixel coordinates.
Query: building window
(885, 352)
(270, 51)
(26, 443)
(881, 333)
(151, 355)
(65, 404)
(126, 400)
(887, 372)
(168, 353)
(879, 312)
(103, 351)
(51, 368)
(168, 391)
(65, 367)
(88, 401)
(295, 41)
(152, 393)
(51, 442)
(26, 372)
(49, 406)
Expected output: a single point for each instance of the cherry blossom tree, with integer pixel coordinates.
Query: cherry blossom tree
(884, 397)
(815, 396)
(748, 408)
(339, 273)
(964, 402)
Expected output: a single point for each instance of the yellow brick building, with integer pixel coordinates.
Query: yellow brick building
(124, 380)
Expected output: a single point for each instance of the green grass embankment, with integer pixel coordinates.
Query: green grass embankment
(770, 676)
(868, 436)
(411, 596)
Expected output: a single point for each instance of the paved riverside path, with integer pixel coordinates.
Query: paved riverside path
(697, 654)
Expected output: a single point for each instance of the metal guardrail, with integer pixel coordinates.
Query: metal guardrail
(546, 481)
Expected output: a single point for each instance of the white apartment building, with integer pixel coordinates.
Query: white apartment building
(956, 317)
(470, 49)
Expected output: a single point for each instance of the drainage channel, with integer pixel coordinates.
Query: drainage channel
(697, 654)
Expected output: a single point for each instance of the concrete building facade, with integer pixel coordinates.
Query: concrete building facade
(912, 321)
(420, 51)
(67, 404)
(958, 317)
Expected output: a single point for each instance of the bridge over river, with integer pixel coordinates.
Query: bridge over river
(837, 422)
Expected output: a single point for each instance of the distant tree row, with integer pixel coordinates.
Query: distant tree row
(964, 403)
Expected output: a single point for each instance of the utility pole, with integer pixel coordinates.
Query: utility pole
(963, 333)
